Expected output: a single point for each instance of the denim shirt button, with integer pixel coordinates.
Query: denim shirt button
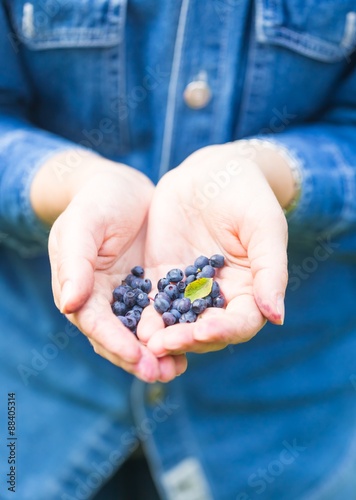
(155, 393)
(197, 94)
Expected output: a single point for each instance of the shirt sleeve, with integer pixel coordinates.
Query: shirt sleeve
(23, 150)
(325, 154)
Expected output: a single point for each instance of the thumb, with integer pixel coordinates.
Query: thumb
(267, 252)
(73, 251)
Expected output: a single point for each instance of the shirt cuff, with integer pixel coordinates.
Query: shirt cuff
(326, 201)
(22, 153)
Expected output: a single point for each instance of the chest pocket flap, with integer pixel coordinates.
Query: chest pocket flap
(324, 30)
(49, 24)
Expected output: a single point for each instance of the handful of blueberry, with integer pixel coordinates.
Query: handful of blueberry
(181, 300)
(131, 297)
(181, 296)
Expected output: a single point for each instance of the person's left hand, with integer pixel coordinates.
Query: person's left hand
(93, 245)
(217, 202)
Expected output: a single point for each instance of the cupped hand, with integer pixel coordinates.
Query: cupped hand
(217, 201)
(93, 244)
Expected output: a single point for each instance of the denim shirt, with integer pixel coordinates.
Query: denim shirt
(274, 418)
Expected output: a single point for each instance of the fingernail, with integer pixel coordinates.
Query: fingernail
(147, 371)
(280, 308)
(66, 294)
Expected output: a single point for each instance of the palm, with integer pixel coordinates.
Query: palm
(110, 268)
(95, 244)
(177, 234)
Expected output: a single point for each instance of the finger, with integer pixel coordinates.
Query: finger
(172, 339)
(98, 323)
(150, 323)
(178, 339)
(238, 323)
(101, 326)
(146, 369)
(73, 252)
(181, 364)
(171, 367)
(56, 289)
(267, 251)
(152, 326)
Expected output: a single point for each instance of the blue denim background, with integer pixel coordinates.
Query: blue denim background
(270, 419)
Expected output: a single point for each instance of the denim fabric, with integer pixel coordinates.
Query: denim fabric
(272, 419)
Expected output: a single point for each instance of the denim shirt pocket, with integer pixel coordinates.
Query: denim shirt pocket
(324, 30)
(67, 23)
(70, 39)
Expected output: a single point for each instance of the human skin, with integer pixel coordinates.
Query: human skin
(107, 217)
(243, 220)
(98, 212)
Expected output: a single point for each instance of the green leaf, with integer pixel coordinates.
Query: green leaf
(198, 289)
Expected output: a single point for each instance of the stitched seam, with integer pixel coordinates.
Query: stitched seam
(172, 90)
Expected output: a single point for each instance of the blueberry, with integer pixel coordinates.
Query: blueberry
(134, 288)
(136, 283)
(142, 299)
(120, 291)
(146, 285)
(119, 308)
(162, 295)
(175, 275)
(162, 302)
(130, 298)
(136, 291)
(199, 306)
(217, 261)
(183, 305)
(209, 301)
(207, 272)
(170, 300)
(134, 312)
(131, 321)
(162, 283)
(188, 317)
(175, 303)
(129, 279)
(180, 286)
(168, 319)
(191, 270)
(172, 291)
(215, 290)
(219, 301)
(124, 321)
(175, 313)
(138, 271)
(201, 261)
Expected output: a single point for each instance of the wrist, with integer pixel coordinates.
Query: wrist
(61, 178)
(58, 180)
(277, 166)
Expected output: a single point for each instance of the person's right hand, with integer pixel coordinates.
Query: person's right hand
(93, 245)
(242, 220)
